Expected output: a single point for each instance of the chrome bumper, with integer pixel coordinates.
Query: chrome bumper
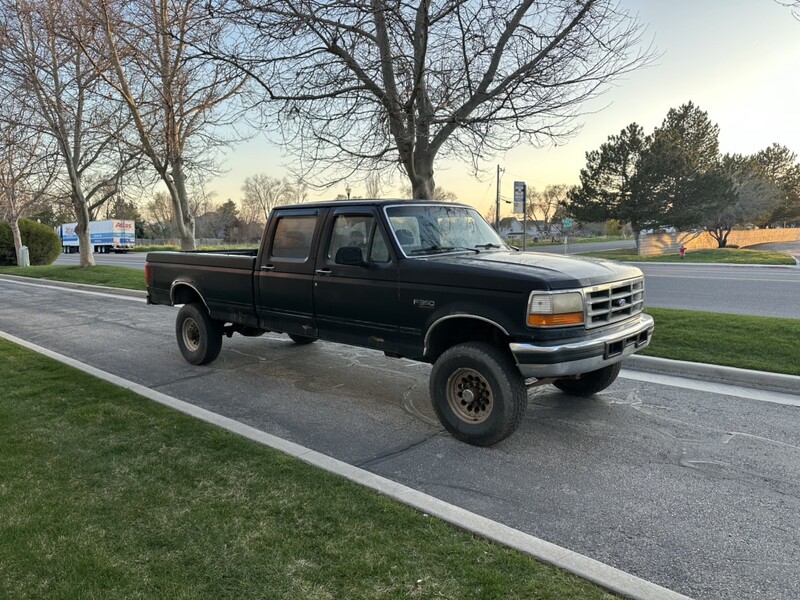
(562, 359)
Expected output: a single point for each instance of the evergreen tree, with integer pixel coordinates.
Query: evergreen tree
(609, 187)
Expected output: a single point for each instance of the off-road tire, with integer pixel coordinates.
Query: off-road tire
(590, 383)
(199, 336)
(478, 393)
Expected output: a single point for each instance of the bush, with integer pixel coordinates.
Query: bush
(43, 244)
(8, 255)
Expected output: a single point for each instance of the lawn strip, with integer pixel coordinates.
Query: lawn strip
(760, 343)
(719, 255)
(119, 277)
(106, 494)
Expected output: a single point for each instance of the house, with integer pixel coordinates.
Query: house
(510, 228)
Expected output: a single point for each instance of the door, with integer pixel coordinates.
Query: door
(357, 303)
(285, 276)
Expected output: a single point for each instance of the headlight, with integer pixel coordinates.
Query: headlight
(555, 310)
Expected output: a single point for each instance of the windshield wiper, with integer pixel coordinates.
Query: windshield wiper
(443, 249)
(487, 246)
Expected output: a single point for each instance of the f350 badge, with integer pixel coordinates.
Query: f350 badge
(424, 303)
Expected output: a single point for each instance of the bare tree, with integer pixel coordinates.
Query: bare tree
(263, 193)
(542, 206)
(374, 185)
(251, 221)
(27, 167)
(158, 212)
(56, 83)
(177, 99)
(381, 85)
(439, 193)
(794, 4)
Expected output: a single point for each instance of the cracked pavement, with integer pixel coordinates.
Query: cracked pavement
(695, 491)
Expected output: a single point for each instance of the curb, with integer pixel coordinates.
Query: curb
(605, 576)
(698, 264)
(763, 380)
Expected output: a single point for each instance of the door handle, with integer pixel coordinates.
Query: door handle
(325, 271)
(267, 267)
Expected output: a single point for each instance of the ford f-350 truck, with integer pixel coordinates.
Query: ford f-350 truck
(428, 281)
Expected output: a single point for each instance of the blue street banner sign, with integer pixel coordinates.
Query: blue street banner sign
(519, 197)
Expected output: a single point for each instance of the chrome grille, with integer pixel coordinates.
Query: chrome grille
(614, 302)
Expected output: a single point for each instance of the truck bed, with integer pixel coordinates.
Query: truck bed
(224, 278)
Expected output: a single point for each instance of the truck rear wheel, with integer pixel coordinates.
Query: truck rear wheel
(590, 383)
(199, 336)
(478, 393)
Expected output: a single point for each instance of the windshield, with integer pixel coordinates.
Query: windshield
(423, 229)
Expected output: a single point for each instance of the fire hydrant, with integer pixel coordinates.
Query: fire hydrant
(682, 251)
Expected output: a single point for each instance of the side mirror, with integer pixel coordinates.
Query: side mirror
(350, 255)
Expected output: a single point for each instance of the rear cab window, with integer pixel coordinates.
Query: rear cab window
(293, 237)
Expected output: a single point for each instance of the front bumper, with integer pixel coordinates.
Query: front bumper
(562, 359)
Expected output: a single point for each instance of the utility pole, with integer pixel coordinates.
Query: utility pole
(497, 204)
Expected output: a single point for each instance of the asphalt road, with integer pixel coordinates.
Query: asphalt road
(695, 491)
(763, 291)
(744, 290)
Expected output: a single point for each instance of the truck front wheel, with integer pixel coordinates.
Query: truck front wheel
(302, 340)
(199, 336)
(590, 383)
(478, 393)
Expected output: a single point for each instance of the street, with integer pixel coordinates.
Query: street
(746, 290)
(695, 491)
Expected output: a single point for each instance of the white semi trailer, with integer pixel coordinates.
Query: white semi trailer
(112, 235)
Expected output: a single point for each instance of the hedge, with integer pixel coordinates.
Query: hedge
(43, 244)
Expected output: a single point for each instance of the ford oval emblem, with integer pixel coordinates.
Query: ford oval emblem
(622, 302)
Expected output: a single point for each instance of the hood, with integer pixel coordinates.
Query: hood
(525, 270)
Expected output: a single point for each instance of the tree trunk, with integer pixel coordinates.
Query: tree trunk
(14, 223)
(82, 231)
(180, 204)
(420, 173)
(636, 229)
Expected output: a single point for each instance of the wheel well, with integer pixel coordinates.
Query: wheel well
(186, 294)
(459, 330)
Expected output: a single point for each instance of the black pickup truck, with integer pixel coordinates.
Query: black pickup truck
(428, 281)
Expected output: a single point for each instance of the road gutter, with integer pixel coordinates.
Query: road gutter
(608, 577)
(762, 380)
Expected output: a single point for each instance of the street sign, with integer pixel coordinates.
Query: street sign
(519, 197)
(568, 223)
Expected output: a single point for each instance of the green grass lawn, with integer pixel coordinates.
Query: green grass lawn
(104, 494)
(120, 277)
(760, 343)
(222, 248)
(717, 255)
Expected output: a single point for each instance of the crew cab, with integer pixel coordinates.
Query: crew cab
(428, 281)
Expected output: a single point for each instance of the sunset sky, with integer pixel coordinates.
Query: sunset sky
(739, 60)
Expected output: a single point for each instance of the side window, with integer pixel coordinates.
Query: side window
(293, 235)
(350, 230)
(379, 251)
(359, 231)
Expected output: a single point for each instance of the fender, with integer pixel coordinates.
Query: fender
(180, 282)
(457, 315)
